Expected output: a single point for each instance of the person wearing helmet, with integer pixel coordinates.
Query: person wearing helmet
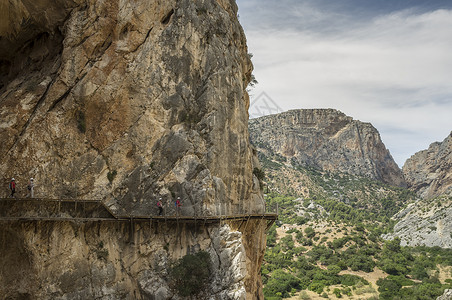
(12, 187)
(159, 205)
(30, 187)
(178, 205)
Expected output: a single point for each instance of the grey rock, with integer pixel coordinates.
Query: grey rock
(66, 261)
(447, 295)
(427, 222)
(327, 139)
(429, 172)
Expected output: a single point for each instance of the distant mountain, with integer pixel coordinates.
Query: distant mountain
(429, 221)
(429, 172)
(328, 140)
(332, 182)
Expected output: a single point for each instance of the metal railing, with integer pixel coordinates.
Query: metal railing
(12, 209)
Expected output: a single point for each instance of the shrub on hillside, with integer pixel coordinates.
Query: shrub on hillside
(190, 275)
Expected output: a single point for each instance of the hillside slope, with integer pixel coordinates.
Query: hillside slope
(329, 240)
(427, 222)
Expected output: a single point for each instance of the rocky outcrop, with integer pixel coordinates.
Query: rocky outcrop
(447, 295)
(127, 102)
(327, 139)
(427, 222)
(429, 172)
(110, 261)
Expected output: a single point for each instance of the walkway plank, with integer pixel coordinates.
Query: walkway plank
(271, 218)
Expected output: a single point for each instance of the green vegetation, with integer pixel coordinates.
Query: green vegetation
(111, 175)
(260, 175)
(329, 232)
(336, 232)
(289, 268)
(101, 252)
(190, 275)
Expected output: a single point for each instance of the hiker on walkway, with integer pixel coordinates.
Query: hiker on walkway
(159, 205)
(12, 187)
(31, 187)
(178, 205)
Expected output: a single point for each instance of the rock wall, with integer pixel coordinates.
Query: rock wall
(429, 172)
(327, 139)
(110, 260)
(427, 222)
(128, 101)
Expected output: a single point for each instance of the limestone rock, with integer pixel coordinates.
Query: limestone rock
(429, 172)
(46, 260)
(327, 139)
(447, 295)
(128, 101)
(427, 222)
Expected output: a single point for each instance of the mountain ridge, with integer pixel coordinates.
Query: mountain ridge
(327, 139)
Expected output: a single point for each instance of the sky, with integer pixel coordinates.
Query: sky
(386, 62)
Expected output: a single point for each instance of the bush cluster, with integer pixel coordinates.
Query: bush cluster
(190, 275)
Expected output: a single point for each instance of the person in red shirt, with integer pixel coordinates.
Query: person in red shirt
(159, 205)
(12, 187)
(178, 205)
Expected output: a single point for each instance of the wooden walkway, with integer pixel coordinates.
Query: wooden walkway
(77, 210)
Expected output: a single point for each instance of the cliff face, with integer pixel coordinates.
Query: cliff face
(428, 221)
(126, 102)
(46, 260)
(429, 172)
(327, 139)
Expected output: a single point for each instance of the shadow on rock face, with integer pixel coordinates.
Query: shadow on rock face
(17, 277)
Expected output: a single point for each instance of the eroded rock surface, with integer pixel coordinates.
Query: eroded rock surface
(447, 295)
(429, 172)
(427, 222)
(110, 261)
(327, 139)
(128, 101)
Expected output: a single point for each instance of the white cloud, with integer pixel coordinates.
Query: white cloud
(393, 71)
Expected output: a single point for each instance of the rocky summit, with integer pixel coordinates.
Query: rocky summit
(127, 102)
(329, 140)
(429, 172)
